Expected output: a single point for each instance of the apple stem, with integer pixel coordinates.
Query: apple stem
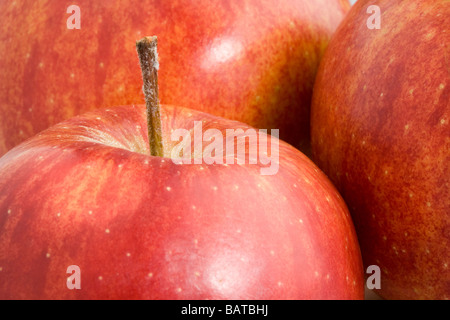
(148, 58)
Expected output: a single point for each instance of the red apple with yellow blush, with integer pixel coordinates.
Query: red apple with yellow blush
(101, 192)
(380, 131)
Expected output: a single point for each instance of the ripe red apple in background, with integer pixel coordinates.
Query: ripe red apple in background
(86, 192)
(254, 62)
(380, 131)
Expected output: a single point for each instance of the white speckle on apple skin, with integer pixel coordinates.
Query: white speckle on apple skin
(395, 250)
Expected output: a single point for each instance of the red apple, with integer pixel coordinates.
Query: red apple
(380, 131)
(254, 62)
(86, 192)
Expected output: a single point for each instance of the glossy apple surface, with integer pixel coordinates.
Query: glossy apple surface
(380, 131)
(254, 62)
(86, 192)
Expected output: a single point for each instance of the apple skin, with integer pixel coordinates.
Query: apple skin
(254, 63)
(85, 192)
(380, 131)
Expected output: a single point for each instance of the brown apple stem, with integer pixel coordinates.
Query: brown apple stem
(148, 58)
